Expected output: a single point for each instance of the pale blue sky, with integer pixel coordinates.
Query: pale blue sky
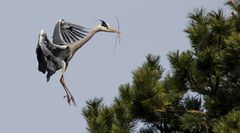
(31, 105)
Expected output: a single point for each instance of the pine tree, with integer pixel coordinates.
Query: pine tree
(210, 69)
(229, 123)
(99, 117)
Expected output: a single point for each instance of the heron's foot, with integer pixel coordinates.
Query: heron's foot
(70, 99)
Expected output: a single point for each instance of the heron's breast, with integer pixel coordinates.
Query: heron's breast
(61, 54)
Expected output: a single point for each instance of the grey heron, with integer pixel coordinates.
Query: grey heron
(67, 39)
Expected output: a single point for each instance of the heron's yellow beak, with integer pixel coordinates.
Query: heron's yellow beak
(113, 30)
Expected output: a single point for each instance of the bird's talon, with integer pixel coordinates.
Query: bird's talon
(73, 101)
(70, 100)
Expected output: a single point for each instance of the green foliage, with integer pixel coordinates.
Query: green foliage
(211, 68)
(148, 93)
(122, 111)
(183, 69)
(229, 123)
(99, 117)
(194, 123)
(114, 119)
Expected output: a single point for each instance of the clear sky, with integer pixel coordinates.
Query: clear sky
(28, 104)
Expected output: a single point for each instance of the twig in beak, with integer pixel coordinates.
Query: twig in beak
(118, 38)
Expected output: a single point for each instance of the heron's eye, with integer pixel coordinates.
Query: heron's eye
(106, 26)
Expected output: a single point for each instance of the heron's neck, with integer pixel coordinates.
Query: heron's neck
(76, 45)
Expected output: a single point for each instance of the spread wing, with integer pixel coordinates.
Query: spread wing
(47, 62)
(65, 32)
(42, 67)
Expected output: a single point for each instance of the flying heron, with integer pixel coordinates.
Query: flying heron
(67, 39)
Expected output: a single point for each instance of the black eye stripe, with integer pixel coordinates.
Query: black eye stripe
(104, 24)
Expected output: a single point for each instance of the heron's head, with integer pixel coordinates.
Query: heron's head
(106, 28)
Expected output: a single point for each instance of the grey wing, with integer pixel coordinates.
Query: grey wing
(41, 60)
(46, 60)
(65, 32)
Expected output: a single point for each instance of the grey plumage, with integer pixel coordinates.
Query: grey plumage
(67, 39)
(49, 55)
(65, 32)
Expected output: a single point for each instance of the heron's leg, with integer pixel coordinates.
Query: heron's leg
(65, 88)
(68, 93)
